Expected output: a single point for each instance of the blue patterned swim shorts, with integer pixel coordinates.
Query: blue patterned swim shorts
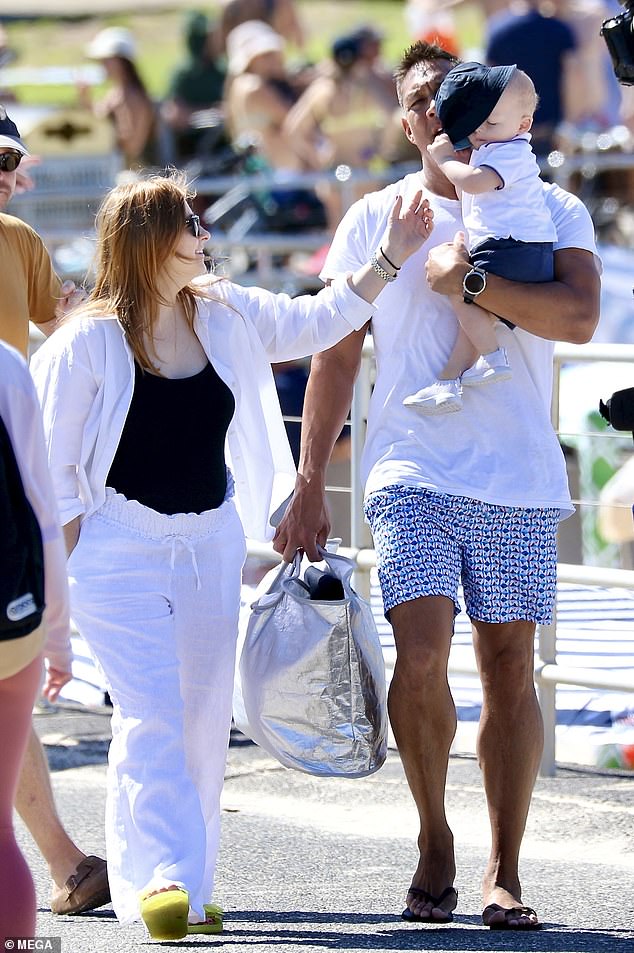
(427, 543)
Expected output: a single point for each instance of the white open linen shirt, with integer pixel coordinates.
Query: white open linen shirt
(84, 375)
(20, 412)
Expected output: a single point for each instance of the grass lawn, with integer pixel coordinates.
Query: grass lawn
(57, 42)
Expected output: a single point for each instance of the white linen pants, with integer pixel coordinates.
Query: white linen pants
(157, 599)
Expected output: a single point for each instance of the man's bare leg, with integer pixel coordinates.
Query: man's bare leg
(36, 806)
(510, 743)
(423, 719)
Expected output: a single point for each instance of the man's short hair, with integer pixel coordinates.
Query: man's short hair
(419, 52)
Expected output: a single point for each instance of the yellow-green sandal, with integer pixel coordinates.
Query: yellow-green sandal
(212, 922)
(165, 913)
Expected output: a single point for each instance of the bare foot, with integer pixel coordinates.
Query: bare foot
(153, 893)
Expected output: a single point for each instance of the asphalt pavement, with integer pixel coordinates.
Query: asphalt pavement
(310, 864)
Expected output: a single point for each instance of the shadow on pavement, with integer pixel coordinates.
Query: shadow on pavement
(421, 937)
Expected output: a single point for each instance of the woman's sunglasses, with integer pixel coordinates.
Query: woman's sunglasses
(192, 223)
(9, 161)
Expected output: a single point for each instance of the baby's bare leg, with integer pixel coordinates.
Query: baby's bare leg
(478, 326)
(462, 356)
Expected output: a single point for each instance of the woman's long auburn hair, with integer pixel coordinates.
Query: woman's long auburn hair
(138, 226)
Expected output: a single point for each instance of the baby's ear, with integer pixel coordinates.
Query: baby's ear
(526, 123)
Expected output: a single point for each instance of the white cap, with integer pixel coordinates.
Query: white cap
(247, 41)
(113, 41)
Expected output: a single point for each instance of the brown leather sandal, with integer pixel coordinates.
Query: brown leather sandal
(85, 889)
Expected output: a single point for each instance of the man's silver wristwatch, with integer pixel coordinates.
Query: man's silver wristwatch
(473, 284)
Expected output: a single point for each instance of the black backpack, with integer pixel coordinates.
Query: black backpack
(21, 551)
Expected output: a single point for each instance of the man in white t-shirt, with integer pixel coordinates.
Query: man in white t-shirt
(473, 497)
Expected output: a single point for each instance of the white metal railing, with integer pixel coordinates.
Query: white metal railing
(548, 673)
(49, 208)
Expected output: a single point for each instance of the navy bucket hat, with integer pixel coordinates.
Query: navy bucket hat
(467, 95)
(9, 135)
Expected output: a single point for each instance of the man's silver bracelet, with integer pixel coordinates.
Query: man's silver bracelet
(380, 270)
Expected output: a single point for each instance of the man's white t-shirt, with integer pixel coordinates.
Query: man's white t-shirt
(501, 447)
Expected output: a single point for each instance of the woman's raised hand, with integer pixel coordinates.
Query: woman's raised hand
(408, 227)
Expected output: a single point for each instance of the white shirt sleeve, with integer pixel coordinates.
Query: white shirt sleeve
(575, 228)
(21, 414)
(292, 328)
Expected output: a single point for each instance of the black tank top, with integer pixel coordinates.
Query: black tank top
(171, 456)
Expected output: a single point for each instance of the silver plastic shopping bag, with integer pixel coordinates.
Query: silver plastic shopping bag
(312, 676)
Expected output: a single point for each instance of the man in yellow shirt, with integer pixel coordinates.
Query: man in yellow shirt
(31, 291)
(30, 288)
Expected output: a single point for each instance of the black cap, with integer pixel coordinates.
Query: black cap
(467, 96)
(9, 135)
(346, 50)
(619, 409)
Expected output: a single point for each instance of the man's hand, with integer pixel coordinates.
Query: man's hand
(71, 297)
(305, 523)
(446, 266)
(55, 680)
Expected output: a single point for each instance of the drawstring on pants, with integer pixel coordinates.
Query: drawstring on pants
(189, 546)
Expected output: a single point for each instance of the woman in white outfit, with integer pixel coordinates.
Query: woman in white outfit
(159, 405)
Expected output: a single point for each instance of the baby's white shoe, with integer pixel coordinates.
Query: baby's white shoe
(442, 397)
(488, 369)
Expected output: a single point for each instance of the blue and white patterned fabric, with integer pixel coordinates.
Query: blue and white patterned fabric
(427, 543)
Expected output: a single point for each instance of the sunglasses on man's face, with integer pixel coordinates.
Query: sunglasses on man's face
(9, 161)
(192, 223)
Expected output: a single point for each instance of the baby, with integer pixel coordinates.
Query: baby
(508, 227)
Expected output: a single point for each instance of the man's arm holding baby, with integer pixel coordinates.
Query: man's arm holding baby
(566, 309)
